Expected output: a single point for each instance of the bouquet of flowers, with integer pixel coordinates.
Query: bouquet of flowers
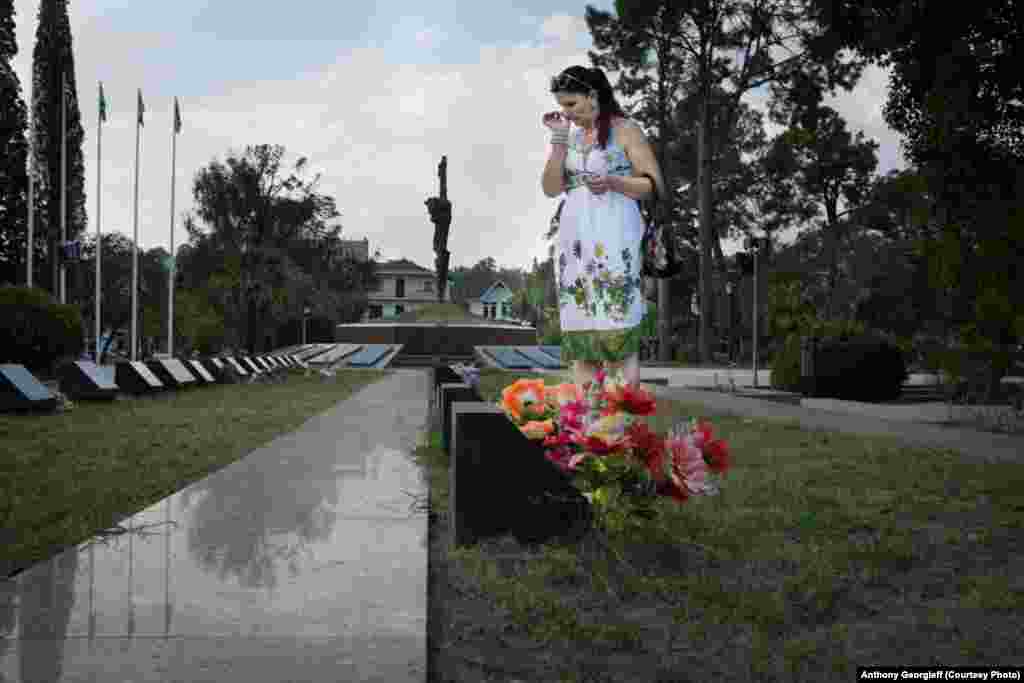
(594, 435)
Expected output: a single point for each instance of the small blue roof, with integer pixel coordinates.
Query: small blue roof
(490, 295)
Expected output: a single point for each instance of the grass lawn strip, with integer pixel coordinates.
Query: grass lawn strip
(824, 551)
(68, 476)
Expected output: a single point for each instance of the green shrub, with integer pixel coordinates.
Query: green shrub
(38, 332)
(551, 334)
(863, 368)
(785, 365)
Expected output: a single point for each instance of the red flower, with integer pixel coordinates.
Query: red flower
(716, 455)
(630, 399)
(596, 445)
(650, 449)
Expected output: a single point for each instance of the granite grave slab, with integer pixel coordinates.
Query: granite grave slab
(20, 390)
(171, 372)
(236, 365)
(199, 371)
(135, 377)
(532, 500)
(84, 380)
(450, 393)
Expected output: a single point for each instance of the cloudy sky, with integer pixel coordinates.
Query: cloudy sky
(372, 93)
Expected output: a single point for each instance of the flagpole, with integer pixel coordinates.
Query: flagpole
(99, 167)
(135, 244)
(31, 188)
(170, 287)
(63, 184)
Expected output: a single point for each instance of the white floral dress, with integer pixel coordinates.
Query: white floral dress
(600, 296)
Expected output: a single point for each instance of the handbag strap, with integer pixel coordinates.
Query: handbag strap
(654, 184)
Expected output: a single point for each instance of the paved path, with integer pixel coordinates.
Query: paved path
(301, 562)
(983, 446)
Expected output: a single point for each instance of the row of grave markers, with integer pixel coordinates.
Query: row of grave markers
(21, 391)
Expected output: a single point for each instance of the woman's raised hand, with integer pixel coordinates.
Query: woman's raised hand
(555, 120)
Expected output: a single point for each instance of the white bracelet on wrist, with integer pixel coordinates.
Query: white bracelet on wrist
(560, 137)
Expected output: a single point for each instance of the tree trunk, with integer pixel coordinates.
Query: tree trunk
(704, 211)
(664, 323)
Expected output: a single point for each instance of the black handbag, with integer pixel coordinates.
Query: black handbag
(658, 258)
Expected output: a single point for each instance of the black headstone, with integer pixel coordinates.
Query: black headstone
(534, 501)
(250, 365)
(199, 372)
(448, 394)
(217, 369)
(236, 365)
(171, 372)
(21, 391)
(135, 377)
(86, 380)
(443, 374)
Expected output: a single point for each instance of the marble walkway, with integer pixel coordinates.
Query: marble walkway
(304, 561)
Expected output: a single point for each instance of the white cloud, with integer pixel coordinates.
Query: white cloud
(374, 130)
(429, 38)
(562, 29)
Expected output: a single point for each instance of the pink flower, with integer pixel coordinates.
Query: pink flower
(687, 471)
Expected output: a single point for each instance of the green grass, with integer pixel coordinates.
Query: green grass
(436, 312)
(818, 543)
(66, 476)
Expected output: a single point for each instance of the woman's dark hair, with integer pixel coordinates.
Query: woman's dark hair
(579, 80)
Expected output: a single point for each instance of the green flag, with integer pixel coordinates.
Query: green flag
(103, 105)
(142, 109)
(177, 117)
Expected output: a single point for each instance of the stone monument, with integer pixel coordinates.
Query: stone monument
(440, 210)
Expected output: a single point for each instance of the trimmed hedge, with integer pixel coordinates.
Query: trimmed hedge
(865, 368)
(38, 332)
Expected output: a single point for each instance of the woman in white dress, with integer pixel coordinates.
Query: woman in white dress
(604, 164)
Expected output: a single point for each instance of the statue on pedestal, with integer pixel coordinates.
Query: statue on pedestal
(440, 210)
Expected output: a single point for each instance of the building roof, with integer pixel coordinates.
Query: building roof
(404, 265)
(490, 294)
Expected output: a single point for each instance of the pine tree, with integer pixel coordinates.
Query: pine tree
(52, 58)
(13, 156)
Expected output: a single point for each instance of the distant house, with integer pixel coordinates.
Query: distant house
(494, 303)
(404, 287)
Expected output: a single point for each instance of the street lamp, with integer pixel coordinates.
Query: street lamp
(755, 244)
(305, 319)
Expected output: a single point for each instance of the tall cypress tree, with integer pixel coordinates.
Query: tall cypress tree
(13, 156)
(52, 58)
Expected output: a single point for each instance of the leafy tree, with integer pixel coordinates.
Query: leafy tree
(829, 164)
(13, 157)
(689, 34)
(116, 285)
(956, 97)
(52, 60)
(268, 247)
(198, 326)
(642, 42)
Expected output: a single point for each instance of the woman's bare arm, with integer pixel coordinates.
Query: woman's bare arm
(551, 181)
